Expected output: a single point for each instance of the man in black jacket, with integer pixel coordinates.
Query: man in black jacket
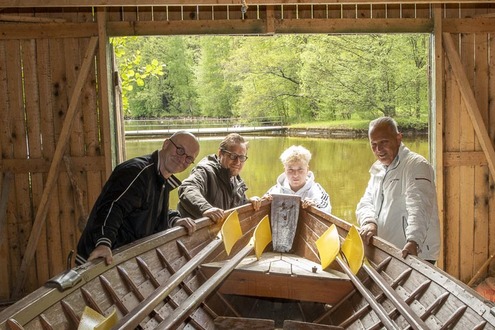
(134, 202)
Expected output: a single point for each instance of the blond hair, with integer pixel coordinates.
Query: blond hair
(295, 154)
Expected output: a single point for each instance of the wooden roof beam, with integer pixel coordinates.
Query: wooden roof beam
(120, 3)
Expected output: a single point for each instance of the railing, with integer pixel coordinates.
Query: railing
(199, 122)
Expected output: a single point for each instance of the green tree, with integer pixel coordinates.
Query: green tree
(216, 93)
(178, 86)
(297, 77)
(134, 71)
(368, 75)
(266, 70)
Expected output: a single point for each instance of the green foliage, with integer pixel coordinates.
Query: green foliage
(367, 75)
(301, 78)
(216, 94)
(133, 72)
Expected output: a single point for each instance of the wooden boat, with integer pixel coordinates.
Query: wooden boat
(172, 280)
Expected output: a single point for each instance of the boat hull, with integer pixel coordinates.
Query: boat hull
(288, 290)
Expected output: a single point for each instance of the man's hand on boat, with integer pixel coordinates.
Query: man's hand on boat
(187, 223)
(368, 231)
(256, 202)
(214, 214)
(307, 202)
(102, 251)
(411, 247)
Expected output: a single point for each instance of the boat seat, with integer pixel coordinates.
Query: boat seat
(283, 275)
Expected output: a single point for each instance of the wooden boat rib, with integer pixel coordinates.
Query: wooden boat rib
(280, 290)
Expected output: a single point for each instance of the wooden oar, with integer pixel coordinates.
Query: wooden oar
(132, 319)
(404, 309)
(329, 246)
(261, 238)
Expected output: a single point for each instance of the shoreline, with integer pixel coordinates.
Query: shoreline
(308, 132)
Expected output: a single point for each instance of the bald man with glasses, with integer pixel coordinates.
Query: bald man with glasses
(215, 184)
(134, 202)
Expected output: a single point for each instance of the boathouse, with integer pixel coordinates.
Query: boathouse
(61, 125)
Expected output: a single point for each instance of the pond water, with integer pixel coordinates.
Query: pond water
(340, 165)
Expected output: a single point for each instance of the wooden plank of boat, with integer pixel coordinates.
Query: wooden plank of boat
(284, 276)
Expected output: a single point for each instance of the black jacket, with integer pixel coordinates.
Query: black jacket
(129, 206)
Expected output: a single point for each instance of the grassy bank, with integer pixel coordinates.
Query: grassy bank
(405, 124)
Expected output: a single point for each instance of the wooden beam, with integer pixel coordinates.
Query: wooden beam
(24, 19)
(51, 180)
(437, 122)
(354, 25)
(468, 25)
(270, 26)
(464, 158)
(118, 3)
(246, 26)
(47, 30)
(471, 105)
(105, 80)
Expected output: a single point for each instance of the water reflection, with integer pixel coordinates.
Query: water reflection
(340, 166)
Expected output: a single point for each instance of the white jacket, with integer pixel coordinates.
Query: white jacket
(401, 199)
(311, 190)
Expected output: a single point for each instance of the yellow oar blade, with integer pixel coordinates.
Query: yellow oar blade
(91, 320)
(108, 322)
(262, 236)
(328, 246)
(231, 231)
(353, 249)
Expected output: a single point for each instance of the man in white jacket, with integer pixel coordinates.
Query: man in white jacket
(400, 202)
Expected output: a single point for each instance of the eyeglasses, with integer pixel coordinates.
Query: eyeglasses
(181, 152)
(234, 156)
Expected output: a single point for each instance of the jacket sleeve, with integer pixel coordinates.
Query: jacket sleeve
(420, 195)
(173, 216)
(365, 210)
(321, 198)
(192, 192)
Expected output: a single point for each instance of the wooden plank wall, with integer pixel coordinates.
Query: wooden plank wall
(39, 65)
(469, 200)
(37, 78)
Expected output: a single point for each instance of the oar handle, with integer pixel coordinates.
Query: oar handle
(412, 318)
(377, 308)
